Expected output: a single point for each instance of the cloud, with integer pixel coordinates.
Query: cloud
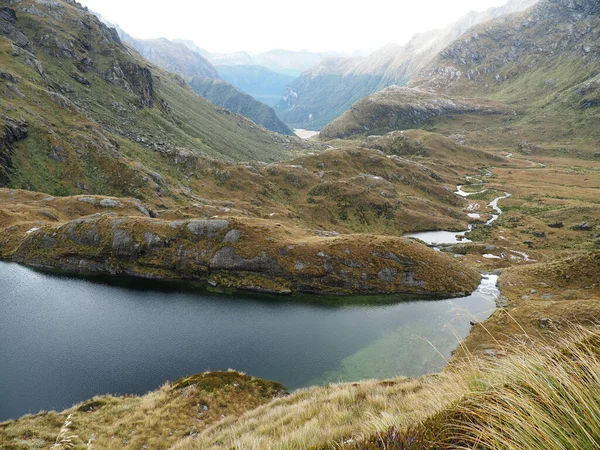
(259, 25)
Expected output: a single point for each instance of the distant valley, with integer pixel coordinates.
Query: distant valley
(412, 236)
(328, 89)
(260, 82)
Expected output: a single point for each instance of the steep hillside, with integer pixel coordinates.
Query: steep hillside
(222, 93)
(178, 58)
(82, 113)
(329, 89)
(543, 64)
(172, 57)
(258, 81)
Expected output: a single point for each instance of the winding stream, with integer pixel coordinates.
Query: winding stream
(435, 238)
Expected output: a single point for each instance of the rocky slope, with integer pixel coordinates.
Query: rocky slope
(329, 89)
(542, 64)
(172, 57)
(83, 113)
(178, 58)
(403, 108)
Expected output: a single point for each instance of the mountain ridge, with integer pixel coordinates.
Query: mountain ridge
(178, 58)
(85, 114)
(309, 103)
(547, 74)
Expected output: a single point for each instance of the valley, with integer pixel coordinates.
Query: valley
(432, 251)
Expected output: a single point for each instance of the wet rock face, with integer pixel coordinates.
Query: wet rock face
(14, 130)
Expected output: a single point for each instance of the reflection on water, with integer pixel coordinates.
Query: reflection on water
(67, 339)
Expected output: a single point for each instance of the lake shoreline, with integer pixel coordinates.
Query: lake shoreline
(82, 335)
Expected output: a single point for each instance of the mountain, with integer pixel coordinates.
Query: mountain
(327, 90)
(224, 94)
(261, 83)
(173, 57)
(285, 62)
(83, 113)
(537, 70)
(180, 59)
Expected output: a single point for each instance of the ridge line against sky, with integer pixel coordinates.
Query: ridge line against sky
(262, 25)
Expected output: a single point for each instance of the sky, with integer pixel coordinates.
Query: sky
(261, 25)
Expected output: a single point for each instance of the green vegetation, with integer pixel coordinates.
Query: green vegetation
(84, 95)
(224, 94)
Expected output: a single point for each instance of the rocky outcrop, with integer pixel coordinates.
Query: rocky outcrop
(9, 28)
(401, 108)
(14, 130)
(133, 78)
(230, 252)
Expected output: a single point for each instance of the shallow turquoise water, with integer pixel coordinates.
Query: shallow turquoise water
(65, 339)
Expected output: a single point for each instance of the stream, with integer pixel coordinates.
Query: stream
(435, 238)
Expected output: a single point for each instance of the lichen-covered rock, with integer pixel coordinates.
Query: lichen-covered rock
(388, 274)
(152, 241)
(109, 203)
(14, 130)
(232, 236)
(242, 255)
(227, 258)
(124, 246)
(207, 228)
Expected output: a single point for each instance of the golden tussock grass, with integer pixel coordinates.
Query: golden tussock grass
(330, 416)
(156, 420)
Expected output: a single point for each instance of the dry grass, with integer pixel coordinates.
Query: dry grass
(156, 420)
(330, 416)
(545, 398)
(542, 396)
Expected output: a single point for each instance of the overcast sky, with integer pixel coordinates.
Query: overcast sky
(260, 25)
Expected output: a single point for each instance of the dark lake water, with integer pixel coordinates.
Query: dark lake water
(65, 339)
